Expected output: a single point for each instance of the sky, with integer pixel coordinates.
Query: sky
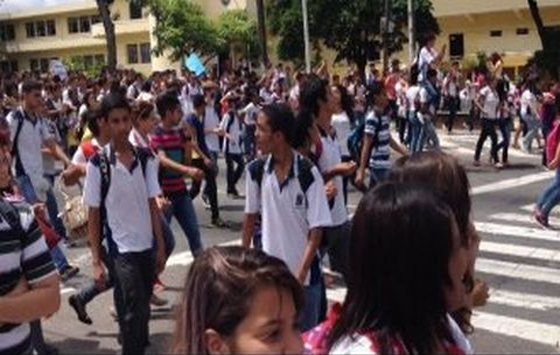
(18, 5)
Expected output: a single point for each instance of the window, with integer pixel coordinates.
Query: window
(85, 24)
(44, 65)
(496, 33)
(33, 64)
(145, 53)
(30, 29)
(40, 29)
(132, 51)
(51, 28)
(456, 45)
(73, 25)
(522, 31)
(9, 66)
(135, 10)
(99, 59)
(7, 32)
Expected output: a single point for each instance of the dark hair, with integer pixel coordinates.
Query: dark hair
(314, 90)
(168, 101)
(198, 101)
(91, 118)
(444, 174)
(219, 290)
(432, 73)
(30, 85)
(281, 119)
(141, 111)
(401, 244)
(346, 102)
(112, 101)
(147, 86)
(427, 38)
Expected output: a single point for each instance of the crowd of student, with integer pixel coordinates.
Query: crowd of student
(135, 142)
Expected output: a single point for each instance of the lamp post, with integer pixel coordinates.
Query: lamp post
(306, 36)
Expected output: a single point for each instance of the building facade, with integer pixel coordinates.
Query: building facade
(73, 32)
(502, 26)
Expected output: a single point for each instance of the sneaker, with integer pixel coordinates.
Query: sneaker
(499, 166)
(206, 201)
(541, 220)
(218, 222)
(69, 272)
(80, 309)
(158, 301)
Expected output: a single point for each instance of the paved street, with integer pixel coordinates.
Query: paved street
(519, 261)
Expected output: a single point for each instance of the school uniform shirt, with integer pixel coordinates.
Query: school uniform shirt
(212, 121)
(30, 141)
(287, 213)
(198, 125)
(251, 111)
(528, 103)
(377, 125)
(425, 99)
(343, 127)
(22, 255)
(80, 157)
(425, 59)
(413, 98)
(49, 162)
(490, 104)
(330, 157)
(233, 129)
(128, 212)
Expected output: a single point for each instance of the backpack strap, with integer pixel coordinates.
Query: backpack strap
(18, 115)
(144, 154)
(256, 169)
(304, 173)
(9, 213)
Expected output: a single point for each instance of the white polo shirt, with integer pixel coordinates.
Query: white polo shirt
(212, 121)
(288, 213)
(128, 211)
(232, 145)
(330, 157)
(30, 141)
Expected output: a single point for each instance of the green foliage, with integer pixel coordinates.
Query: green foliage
(182, 28)
(77, 64)
(351, 28)
(237, 28)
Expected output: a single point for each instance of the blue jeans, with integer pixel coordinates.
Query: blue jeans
(52, 209)
(533, 125)
(30, 196)
(414, 131)
(312, 309)
(550, 197)
(377, 176)
(250, 146)
(429, 136)
(505, 125)
(183, 210)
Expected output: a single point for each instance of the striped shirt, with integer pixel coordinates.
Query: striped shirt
(377, 125)
(172, 143)
(23, 254)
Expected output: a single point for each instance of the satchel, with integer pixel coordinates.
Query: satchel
(75, 213)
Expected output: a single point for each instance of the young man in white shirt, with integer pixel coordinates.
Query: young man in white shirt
(232, 127)
(120, 190)
(287, 190)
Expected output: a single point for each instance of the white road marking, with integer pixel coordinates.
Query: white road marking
(521, 218)
(520, 251)
(518, 232)
(512, 183)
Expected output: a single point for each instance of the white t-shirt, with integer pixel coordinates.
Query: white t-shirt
(343, 127)
(79, 156)
(49, 162)
(528, 103)
(288, 214)
(491, 102)
(425, 98)
(212, 121)
(232, 145)
(145, 97)
(330, 157)
(251, 111)
(412, 97)
(128, 211)
(425, 59)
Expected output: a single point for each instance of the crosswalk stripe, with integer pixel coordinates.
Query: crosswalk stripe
(516, 231)
(520, 251)
(531, 208)
(518, 271)
(515, 327)
(521, 218)
(524, 300)
(512, 183)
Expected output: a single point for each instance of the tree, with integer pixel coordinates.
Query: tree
(182, 28)
(236, 27)
(351, 28)
(547, 60)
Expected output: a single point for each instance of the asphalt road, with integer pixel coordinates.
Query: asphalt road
(519, 261)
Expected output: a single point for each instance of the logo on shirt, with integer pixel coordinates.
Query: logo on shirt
(300, 201)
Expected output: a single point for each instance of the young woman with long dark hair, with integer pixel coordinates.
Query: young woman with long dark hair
(406, 274)
(239, 301)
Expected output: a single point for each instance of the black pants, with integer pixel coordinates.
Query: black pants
(135, 274)
(234, 173)
(336, 243)
(452, 105)
(211, 187)
(505, 125)
(488, 130)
